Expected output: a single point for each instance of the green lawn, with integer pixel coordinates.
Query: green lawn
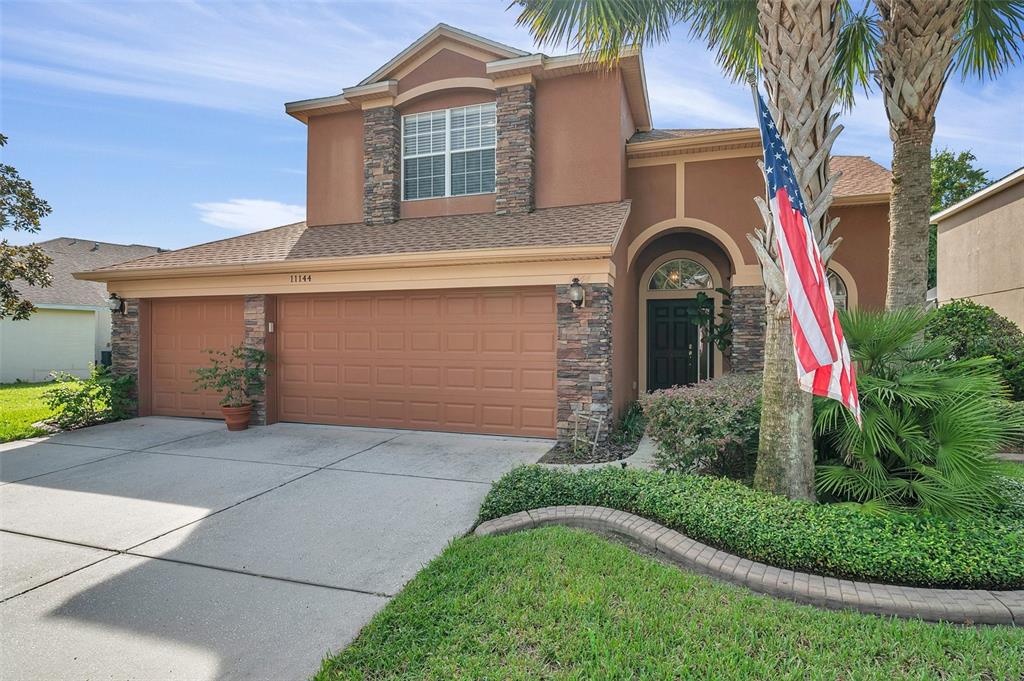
(559, 603)
(21, 405)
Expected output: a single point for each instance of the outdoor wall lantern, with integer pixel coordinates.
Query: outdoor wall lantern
(576, 293)
(115, 303)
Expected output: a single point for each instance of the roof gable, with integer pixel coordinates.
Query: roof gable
(441, 37)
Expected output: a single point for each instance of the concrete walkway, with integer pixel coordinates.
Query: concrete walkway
(165, 548)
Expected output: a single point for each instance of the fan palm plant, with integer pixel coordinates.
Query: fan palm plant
(931, 425)
(793, 45)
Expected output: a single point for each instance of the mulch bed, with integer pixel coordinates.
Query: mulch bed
(608, 451)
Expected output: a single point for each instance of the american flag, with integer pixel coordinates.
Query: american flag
(822, 357)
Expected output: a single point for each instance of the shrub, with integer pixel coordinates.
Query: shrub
(825, 539)
(708, 427)
(239, 373)
(931, 426)
(79, 402)
(630, 426)
(979, 331)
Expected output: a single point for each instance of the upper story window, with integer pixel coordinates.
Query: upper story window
(448, 152)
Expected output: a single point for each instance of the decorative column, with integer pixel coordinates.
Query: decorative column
(257, 313)
(748, 325)
(382, 165)
(514, 154)
(584, 359)
(125, 348)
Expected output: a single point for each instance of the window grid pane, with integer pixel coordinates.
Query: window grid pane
(468, 146)
(681, 274)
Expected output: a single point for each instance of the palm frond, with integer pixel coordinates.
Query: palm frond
(856, 52)
(990, 38)
(730, 30)
(600, 28)
(931, 425)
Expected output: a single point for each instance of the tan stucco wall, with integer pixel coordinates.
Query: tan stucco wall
(981, 254)
(334, 169)
(722, 192)
(51, 340)
(865, 250)
(579, 140)
(445, 64)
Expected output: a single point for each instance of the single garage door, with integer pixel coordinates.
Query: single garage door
(181, 329)
(475, 361)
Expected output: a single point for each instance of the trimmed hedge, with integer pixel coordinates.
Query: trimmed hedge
(824, 539)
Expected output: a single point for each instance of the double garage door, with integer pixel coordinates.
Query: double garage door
(478, 361)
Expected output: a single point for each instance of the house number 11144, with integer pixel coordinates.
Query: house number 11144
(300, 278)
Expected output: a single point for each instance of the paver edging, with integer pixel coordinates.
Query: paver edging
(957, 606)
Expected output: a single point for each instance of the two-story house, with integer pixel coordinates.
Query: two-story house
(455, 196)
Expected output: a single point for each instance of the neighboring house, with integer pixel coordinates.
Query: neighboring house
(70, 328)
(981, 248)
(453, 197)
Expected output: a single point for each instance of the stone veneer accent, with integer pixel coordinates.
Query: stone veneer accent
(584, 358)
(254, 335)
(382, 165)
(514, 155)
(961, 606)
(124, 344)
(748, 325)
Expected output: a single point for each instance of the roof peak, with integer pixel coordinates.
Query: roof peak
(447, 31)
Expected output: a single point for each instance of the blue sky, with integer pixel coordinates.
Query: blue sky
(163, 123)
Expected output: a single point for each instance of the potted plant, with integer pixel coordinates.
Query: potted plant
(239, 373)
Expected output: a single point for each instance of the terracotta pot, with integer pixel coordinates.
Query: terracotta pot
(237, 418)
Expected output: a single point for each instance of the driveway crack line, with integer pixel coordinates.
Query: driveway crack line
(121, 452)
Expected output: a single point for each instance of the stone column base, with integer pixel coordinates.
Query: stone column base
(584, 361)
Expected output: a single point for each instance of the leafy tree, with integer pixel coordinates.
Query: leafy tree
(932, 425)
(21, 211)
(795, 47)
(954, 178)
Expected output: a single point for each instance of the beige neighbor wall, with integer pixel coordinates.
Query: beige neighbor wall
(51, 340)
(102, 318)
(981, 254)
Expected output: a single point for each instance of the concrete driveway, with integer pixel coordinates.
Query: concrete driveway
(164, 548)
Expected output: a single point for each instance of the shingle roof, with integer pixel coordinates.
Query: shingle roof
(660, 134)
(570, 225)
(75, 255)
(861, 175)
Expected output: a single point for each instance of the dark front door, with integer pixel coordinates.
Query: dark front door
(672, 343)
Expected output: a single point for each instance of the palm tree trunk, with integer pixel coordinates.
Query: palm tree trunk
(798, 43)
(918, 41)
(785, 460)
(909, 216)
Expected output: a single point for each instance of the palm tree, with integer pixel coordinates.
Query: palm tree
(793, 45)
(923, 42)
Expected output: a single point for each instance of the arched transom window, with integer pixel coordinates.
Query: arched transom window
(680, 274)
(838, 288)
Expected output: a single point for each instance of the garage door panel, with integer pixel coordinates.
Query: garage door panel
(181, 331)
(468, 361)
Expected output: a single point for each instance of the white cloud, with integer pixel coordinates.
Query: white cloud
(249, 215)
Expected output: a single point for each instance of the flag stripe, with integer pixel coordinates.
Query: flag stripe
(823, 360)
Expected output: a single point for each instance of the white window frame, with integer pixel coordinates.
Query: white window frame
(447, 154)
